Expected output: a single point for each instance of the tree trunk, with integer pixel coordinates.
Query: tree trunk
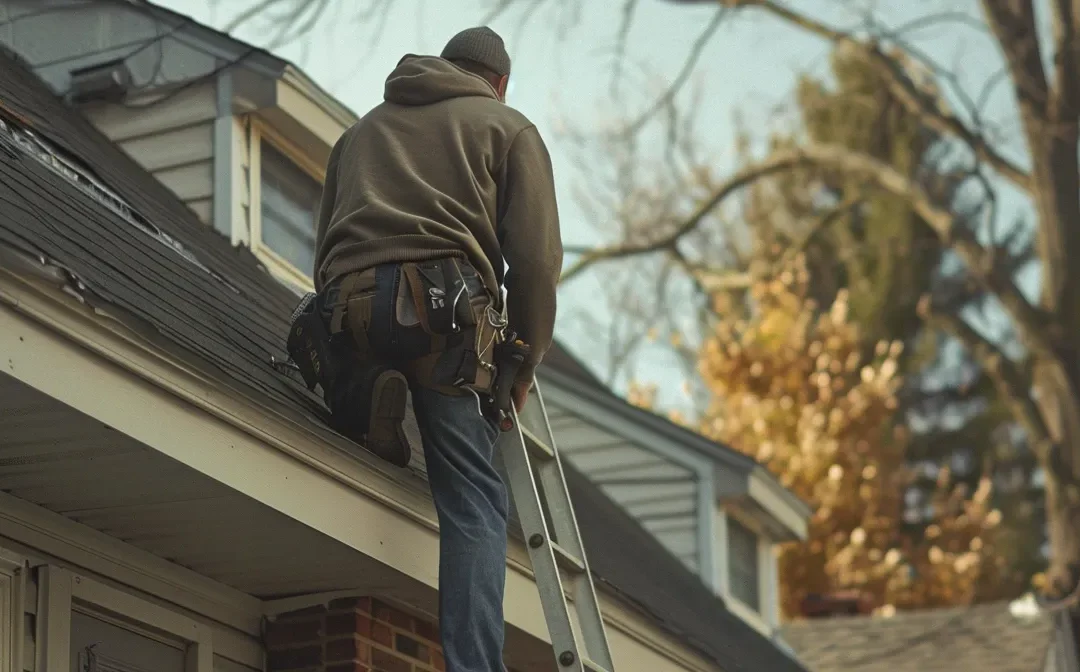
(1055, 395)
(1049, 108)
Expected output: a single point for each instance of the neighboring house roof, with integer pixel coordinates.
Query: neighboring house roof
(182, 282)
(994, 637)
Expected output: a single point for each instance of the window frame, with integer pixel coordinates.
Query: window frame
(62, 591)
(767, 619)
(258, 132)
(757, 564)
(12, 608)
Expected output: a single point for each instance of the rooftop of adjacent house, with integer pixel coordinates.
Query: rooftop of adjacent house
(72, 201)
(1002, 636)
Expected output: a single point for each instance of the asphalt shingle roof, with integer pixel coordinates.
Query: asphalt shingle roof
(217, 306)
(982, 638)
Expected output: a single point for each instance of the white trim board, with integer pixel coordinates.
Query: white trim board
(12, 606)
(64, 542)
(60, 590)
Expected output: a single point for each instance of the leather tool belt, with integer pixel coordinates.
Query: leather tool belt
(434, 320)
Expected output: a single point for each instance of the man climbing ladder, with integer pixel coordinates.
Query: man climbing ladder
(425, 198)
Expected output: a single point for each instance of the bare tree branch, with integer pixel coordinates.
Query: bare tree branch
(1065, 104)
(1013, 23)
(680, 80)
(732, 185)
(710, 279)
(625, 24)
(1012, 383)
(939, 18)
(1035, 323)
(927, 108)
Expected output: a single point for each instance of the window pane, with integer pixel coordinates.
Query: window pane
(743, 564)
(289, 202)
(115, 649)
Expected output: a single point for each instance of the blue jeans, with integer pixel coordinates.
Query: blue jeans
(472, 505)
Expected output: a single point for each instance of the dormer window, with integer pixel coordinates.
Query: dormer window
(744, 565)
(289, 199)
(285, 192)
(747, 576)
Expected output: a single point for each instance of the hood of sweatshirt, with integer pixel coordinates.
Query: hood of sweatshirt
(423, 80)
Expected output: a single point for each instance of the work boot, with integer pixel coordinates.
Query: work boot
(367, 405)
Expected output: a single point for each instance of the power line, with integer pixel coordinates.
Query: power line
(158, 40)
(201, 79)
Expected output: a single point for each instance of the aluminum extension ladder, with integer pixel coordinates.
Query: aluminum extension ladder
(558, 558)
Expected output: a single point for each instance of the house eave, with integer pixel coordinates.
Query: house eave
(230, 431)
(309, 89)
(789, 512)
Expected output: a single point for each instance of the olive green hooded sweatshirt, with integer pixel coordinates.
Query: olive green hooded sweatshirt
(442, 168)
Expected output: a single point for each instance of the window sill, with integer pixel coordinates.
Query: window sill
(283, 271)
(748, 615)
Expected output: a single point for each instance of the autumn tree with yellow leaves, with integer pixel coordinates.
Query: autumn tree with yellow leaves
(791, 389)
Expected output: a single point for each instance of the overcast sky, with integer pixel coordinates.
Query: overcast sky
(749, 66)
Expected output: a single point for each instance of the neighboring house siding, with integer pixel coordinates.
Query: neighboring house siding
(661, 495)
(174, 141)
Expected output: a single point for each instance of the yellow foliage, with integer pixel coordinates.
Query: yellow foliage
(792, 388)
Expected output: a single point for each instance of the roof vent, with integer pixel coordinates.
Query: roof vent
(108, 82)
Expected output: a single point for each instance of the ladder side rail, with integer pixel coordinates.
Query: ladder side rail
(545, 570)
(591, 621)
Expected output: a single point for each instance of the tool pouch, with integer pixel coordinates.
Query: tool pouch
(439, 294)
(446, 300)
(308, 343)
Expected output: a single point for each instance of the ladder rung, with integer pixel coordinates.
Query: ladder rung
(590, 666)
(575, 622)
(567, 560)
(538, 448)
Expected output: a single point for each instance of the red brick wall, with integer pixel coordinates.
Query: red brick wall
(353, 635)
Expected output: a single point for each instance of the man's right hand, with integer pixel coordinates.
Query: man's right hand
(520, 394)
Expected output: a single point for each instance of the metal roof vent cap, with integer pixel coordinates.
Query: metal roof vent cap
(104, 82)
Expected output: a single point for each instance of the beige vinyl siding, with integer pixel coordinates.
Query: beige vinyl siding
(173, 140)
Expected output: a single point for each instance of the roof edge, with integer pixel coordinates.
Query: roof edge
(263, 59)
(308, 87)
(787, 508)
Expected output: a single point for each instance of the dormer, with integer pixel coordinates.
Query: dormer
(237, 133)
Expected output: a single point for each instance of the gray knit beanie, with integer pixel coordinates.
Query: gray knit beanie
(481, 45)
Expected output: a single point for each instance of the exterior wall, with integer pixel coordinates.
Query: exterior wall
(53, 634)
(174, 142)
(173, 139)
(662, 495)
(353, 635)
